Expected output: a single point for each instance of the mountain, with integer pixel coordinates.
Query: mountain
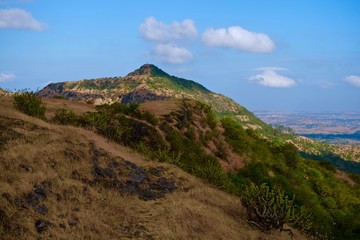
(148, 83)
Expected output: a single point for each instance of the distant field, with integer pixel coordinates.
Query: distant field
(313, 123)
(332, 127)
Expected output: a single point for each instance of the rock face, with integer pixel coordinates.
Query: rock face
(141, 95)
(131, 179)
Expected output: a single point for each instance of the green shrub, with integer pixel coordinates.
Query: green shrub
(267, 209)
(30, 104)
(65, 116)
(59, 97)
(300, 218)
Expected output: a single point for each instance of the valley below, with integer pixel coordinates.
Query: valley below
(333, 127)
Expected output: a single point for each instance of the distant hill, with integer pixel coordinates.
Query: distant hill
(148, 83)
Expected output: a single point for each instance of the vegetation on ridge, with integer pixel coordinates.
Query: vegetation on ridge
(66, 182)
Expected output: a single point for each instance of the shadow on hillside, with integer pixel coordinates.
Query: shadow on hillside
(338, 162)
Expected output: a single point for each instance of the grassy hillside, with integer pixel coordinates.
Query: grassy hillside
(331, 196)
(66, 182)
(188, 134)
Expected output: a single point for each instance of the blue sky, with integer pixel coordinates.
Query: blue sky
(266, 55)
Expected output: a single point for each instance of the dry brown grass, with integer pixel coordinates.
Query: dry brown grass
(59, 159)
(160, 108)
(54, 104)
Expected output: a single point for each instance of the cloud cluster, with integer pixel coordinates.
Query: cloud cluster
(238, 38)
(171, 38)
(270, 78)
(5, 77)
(154, 30)
(168, 39)
(16, 18)
(353, 80)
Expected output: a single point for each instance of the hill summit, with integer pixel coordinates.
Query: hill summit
(149, 70)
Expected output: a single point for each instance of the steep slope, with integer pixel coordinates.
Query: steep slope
(65, 182)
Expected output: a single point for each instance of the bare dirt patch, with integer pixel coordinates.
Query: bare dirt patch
(161, 108)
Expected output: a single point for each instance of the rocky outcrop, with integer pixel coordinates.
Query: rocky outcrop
(130, 179)
(141, 95)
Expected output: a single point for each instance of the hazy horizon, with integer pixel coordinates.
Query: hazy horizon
(277, 56)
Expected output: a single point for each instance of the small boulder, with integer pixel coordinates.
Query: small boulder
(73, 222)
(157, 171)
(103, 172)
(41, 225)
(40, 193)
(42, 209)
(25, 168)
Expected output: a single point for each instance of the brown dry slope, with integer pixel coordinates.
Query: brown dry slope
(62, 182)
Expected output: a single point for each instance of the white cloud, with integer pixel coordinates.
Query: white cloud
(5, 77)
(353, 80)
(270, 78)
(168, 37)
(172, 53)
(19, 19)
(154, 30)
(238, 38)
